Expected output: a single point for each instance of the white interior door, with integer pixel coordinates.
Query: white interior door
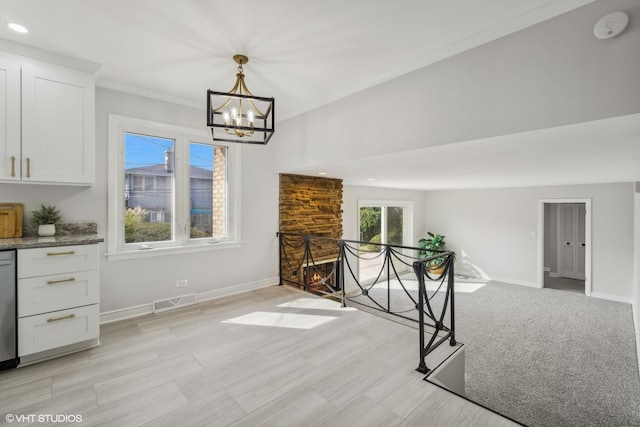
(571, 248)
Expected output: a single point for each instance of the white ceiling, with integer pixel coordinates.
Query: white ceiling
(601, 151)
(305, 54)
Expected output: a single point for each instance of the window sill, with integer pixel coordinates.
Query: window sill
(172, 250)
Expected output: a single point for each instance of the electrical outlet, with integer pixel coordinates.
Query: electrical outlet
(181, 283)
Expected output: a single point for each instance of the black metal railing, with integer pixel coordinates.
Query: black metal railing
(442, 332)
(389, 279)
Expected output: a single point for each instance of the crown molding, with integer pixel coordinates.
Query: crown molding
(148, 93)
(54, 58)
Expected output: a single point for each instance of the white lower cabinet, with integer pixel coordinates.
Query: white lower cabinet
(58, 297)
(57, 292)
(56, 329)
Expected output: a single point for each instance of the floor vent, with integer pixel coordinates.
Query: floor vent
(175, 302)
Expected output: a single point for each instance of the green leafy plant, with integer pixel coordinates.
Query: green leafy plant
(137, 230)
(430, 246)
(45, 215)
(133, 217)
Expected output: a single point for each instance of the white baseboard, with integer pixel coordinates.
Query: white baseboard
(125, 313)
(237, 289)
(515, 281)
(57, 352)
(141, 310)
(611, 297)
(554, 274)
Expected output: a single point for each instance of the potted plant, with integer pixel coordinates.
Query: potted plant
(435, 242)
(45, 219)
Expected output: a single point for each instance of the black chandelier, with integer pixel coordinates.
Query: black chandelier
(238, 115)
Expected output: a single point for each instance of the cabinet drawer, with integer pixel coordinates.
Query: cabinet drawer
(57, 260)
(51, 330)
(57, 292)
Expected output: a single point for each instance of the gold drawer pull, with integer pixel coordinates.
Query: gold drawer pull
(13, 166)
(60, 253)
(56, 319)
(56, 282)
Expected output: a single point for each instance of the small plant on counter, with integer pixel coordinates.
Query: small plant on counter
(45, 215)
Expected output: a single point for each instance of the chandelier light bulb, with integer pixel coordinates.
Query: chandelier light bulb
(250, 117)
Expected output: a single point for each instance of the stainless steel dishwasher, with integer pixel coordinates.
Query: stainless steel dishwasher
(8, 315)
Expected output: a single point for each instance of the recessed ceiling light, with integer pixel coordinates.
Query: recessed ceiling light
(371, 179)
(17, 28)
(322, 173)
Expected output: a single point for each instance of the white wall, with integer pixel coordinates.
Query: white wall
(140, 281)
(551, 74)
(494, 228)
(351, 194)
(132, 282)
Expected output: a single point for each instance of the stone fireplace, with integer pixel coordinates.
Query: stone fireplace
(312, 205)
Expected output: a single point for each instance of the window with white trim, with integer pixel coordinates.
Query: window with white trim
(171, 189)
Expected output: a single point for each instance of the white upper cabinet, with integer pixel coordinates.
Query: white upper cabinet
(10, 153)
(55, 143)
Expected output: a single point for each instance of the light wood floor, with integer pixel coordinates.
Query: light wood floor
(188, 368)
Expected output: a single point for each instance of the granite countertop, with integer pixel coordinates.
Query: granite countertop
(43, 242)
(66, 235)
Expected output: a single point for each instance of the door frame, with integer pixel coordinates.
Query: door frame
(587, 240)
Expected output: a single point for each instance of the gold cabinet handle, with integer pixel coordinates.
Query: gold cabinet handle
(57, 319)
(28, 167)
(57, 282)
(60, 253)
(13, 166)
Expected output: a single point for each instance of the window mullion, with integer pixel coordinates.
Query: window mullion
(181, 190)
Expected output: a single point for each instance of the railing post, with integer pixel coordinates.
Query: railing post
(418, 268)
(387, 257)
(341, 255)
(307, 250)
(450, 283)
(279, 257)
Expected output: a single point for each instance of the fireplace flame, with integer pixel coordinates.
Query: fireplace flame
(315, 279)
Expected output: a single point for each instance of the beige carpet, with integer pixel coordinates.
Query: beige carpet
(544, 357)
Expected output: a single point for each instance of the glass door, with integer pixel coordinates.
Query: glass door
(380, 223)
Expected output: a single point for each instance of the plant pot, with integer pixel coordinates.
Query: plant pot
(436, 270)
(46, 230)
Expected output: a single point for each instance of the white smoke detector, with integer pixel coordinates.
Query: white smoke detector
(611, 25)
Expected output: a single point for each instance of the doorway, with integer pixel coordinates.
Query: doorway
(565, 245)
(384, 222)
